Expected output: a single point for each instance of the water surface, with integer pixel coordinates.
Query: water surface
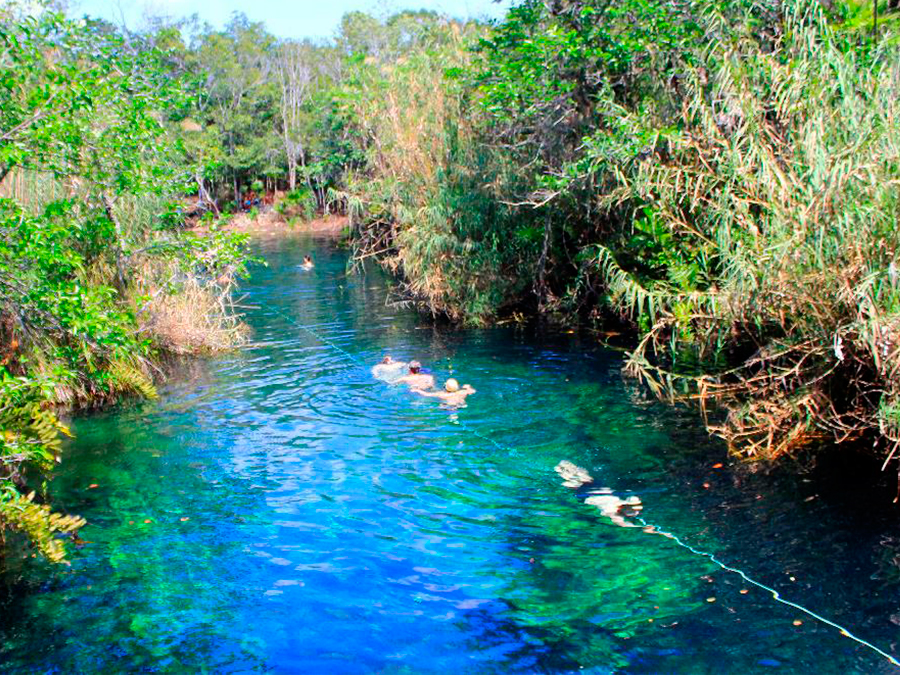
(279, 510)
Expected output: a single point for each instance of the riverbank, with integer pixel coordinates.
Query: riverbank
(732, 208)
(97, 279)
(335, 524)
(272, 223)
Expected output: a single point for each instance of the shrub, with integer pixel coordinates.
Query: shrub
(776, 201)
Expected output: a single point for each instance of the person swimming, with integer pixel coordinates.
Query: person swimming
(389, 370)
(613, 507)
(453, 395)
(573, 476)
(415, 378)
(307, 262)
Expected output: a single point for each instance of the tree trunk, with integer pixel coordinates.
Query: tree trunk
(875, 19)
(120, 267)
(308, 178)
(292, 175)
(205, 197)
(541, 285)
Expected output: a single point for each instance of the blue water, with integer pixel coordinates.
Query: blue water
(279, 510)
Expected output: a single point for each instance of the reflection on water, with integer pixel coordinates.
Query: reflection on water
(279, 509)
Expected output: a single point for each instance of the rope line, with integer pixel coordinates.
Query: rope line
(325, 340)
(775, 594)
(658, 530)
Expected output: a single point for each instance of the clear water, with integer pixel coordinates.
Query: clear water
(279, 510)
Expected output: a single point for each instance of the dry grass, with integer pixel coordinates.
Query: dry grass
(414, 208)
(185, 315)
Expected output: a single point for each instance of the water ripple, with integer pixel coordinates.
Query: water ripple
(281, 510)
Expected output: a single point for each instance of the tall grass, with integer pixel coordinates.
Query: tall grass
(782, 182)
(31, 189)
(426, 204)
(186, 313)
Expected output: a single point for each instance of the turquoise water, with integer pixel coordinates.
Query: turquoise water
(279, 510)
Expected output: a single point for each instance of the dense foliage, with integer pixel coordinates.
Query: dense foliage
(732, 171)
(89, 258)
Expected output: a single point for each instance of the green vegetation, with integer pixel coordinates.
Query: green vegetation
(720, 178)
(92, 266)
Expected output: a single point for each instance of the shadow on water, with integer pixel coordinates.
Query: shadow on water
(278, 509)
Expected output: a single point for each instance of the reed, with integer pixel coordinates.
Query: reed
(185, 313)
(425, 204)
(782, 183)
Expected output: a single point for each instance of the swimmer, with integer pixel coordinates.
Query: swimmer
(416, 379)
(613, 507)
(388, 370)
(307, 262)
(452, 395)
(573, 476)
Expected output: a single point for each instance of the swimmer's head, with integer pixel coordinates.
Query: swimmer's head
(451, 385)
(387, 359)
(631, 507)
(414, 367)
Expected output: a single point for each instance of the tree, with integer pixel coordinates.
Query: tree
(234, 66)
(295, 74)
(84, 117)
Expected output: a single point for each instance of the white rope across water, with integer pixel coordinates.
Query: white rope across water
(656, 529)
(775, 594)
(343, 351)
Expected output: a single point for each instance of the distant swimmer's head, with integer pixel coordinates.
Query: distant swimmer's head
(451, 385)
(387, 359)
(415, 367)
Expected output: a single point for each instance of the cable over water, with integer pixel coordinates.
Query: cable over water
(775, 594)
(649, 526)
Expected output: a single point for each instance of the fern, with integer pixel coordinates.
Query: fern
(38, 523)
(126, 377)
(29, 431)
(30, 434)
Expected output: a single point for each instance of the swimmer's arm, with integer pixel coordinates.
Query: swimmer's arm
(432, 394)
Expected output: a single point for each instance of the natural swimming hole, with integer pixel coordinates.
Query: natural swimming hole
(280, 510)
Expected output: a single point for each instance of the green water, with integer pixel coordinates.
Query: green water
(280, 510)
